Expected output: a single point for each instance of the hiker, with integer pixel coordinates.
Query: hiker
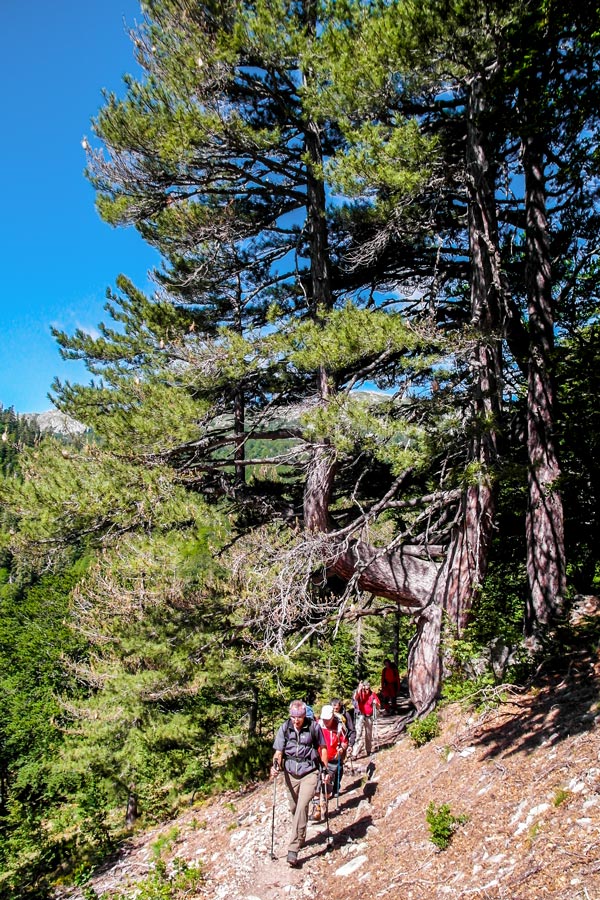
(300, 748)
(366, 703)
(336, 738)
(390, 686)
(309, 700)
(347, 717)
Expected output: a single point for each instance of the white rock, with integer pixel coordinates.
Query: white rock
(402, 798)
(467, 751)
(518, 812)
(352, 866)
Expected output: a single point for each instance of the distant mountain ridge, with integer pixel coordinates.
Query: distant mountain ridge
(55, 422)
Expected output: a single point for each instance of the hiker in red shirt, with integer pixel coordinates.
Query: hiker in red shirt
(390, 685)
(366, 703)
(336, 738)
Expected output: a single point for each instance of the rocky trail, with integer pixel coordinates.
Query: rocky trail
(522, 778)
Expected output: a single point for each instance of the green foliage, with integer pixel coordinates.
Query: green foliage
(164, 842)
(176, 882)
(443, 824)
(303, 176)
(16, 433)
(245, 764)
(424, 730)
(561, 796)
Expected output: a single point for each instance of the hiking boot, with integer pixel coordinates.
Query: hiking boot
(292, 859)
(316, 816)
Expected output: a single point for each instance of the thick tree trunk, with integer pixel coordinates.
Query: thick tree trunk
(466, 561)
(424, 661)
(544, 521)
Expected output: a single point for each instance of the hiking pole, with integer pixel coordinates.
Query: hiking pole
(329, 838)
(276, 767)
(375, 746)
(337, 784)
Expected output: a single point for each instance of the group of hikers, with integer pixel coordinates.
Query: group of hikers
(311, 751)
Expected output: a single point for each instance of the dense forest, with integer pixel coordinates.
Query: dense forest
(356, 417)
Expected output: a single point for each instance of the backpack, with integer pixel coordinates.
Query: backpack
(289, 728)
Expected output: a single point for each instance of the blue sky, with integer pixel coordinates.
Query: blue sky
(58, 257)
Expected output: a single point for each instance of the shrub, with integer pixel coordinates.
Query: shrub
(442, 824)
(424, 730)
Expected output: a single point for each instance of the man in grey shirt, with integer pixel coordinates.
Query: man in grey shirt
(300, 750)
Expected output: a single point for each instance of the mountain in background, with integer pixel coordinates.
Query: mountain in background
(55, 422)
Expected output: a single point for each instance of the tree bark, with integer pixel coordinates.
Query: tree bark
(544, 519)
(131, 813)
(253, 717)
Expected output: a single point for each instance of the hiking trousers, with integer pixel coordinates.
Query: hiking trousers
(364, 733)
(300, 793)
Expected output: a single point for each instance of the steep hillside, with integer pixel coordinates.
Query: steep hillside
(524, 777)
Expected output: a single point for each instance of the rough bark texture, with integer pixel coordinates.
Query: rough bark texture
(544, 521)
(424, 661)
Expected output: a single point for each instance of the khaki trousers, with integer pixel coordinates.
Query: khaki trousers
(364, 733)
(300, 793)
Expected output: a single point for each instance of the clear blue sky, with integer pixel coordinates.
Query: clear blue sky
(57, 256)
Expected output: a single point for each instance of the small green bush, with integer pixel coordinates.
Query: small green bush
(442, 824)
(164, 842)
(561, 796)
(424, 730)
(183, 881)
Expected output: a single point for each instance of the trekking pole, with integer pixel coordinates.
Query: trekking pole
(329, 838)
(375, 747)
(273, 815)
(337, 784)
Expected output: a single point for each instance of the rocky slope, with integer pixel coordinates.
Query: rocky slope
(55, 422)
(523, 777)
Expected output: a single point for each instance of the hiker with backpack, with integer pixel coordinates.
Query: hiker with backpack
(366, 704)
(300, 750)
(390, 686)
(347, 717)
(336, 738)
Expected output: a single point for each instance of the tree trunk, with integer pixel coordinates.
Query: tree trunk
(253, 717)
(131, 814)
(239, 401)
(240, 437)
(544, 520)
(424, 661)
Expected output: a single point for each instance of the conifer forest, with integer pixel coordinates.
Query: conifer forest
(356, 417)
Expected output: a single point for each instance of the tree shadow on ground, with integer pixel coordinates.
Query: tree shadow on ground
(562, 702)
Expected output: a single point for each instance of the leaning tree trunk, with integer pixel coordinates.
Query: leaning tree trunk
(544, 521)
